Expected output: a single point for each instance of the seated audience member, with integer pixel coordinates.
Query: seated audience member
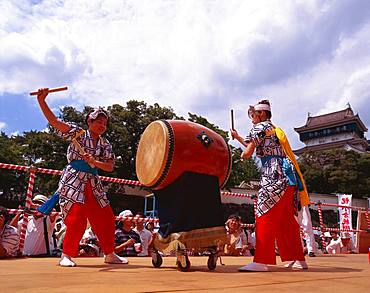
(251, 236)
(150, 227)
(237, 240)
(347, 245)
(127, 241)
(58, 237)
(9, 237)
(59, 233)
(334, 245)
(39, 240)
(145, 235)
(89, 244)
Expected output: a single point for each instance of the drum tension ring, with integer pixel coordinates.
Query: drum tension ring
(205, 139)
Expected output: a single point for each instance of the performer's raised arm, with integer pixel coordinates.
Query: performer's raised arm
(52, 119)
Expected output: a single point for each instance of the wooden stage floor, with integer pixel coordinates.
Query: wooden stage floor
(327, 273)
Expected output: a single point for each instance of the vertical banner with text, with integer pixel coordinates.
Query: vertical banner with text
(345, 214)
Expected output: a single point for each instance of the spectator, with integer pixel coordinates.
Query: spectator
(9, 237)
(127, 241)
(327, 237)
(38, 240)
(150, 227)
(347, 245)
(251, 236)
(89, 244)
(59, 233)
(145, 235)
(334, 245)
(237, 240)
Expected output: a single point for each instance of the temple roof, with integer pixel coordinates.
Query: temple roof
(331, 119)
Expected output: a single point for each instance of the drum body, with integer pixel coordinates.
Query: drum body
(168, 148)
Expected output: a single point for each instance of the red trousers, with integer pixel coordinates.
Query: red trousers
(279, 223)
(102, 221)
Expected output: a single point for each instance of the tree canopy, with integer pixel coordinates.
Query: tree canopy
(337, 171)
(45, 149)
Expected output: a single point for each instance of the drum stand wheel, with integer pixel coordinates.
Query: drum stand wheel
(212, 261)
(157, 259)
(182, 262)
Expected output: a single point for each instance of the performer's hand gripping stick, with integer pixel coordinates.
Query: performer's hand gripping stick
(79, 147)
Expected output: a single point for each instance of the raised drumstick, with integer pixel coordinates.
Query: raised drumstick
(59, 89)
(232, 119)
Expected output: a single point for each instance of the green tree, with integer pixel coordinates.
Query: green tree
(126, 125)
(12, 183)
(337, 171)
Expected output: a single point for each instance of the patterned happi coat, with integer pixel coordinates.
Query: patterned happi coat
(72, 182)
(273, 180)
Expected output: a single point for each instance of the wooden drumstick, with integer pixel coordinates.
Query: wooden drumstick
(59, 89)
(232, 119)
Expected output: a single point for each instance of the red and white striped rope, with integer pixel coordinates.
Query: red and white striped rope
(248, 225)
(104, 178)
(321, 227)
(338, 230)
(339, 206)
(367, 219)
(22, 234)
(255, 207)
(235, 194)
(120, 181)
(31, 212)
(138, 219)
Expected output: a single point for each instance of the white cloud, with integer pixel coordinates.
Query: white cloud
(199, 56)
(2, 125)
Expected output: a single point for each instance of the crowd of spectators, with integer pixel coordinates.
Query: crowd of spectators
(45, 234)
(339, 245)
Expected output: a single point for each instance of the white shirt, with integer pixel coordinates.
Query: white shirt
(88, 234)
(34, 243)
(145, 237)
(9, 239)
(334, 246)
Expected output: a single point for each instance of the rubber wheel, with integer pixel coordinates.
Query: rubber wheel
(181, 268)
(158, 262)
(212, 262)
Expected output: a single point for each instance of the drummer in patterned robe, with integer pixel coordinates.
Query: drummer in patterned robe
(81, 194)
(277, 197)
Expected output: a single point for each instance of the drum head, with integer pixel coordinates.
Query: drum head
(152, 153)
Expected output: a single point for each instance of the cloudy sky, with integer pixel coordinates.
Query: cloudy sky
(199, 56)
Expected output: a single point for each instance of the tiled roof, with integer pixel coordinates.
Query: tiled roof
(331, 119)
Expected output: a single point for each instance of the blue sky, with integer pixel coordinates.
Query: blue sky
(204, 57)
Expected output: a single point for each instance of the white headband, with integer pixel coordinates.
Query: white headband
(98, 111)
(262, 107)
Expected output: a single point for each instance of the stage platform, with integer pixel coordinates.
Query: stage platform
(327, 273)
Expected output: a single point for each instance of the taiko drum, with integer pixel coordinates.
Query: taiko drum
(168, 148)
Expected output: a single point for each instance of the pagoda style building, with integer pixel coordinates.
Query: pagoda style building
(342, 129)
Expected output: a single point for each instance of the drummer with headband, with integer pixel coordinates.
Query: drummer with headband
(81, 194)
(277, 196)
